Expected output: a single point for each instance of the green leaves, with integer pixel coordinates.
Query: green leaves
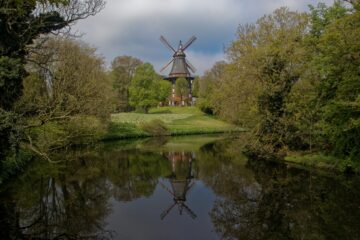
(122, 72)
(144, 88)
(11, 74)
(182, 88)
(339, 89)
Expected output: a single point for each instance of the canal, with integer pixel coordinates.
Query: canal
(176, 188)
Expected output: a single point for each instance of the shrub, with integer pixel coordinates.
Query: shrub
(85, 129)
(155, 127)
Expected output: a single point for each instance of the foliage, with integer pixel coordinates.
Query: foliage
(11, 74)
(122, 71)
(266, 61)
(10, 127)
(207, 100)
(206, 86)
(155, 127)
(294, 79)
(67, 100)
(144, 87)
(164, 90)
(72, 81)
(339, 88)
(84, 129)
(21, 23)
(195, 87)
(182, 89)
(124, 130)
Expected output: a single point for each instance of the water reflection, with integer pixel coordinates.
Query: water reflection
(56, 206)
(118, 191)
(181, 181)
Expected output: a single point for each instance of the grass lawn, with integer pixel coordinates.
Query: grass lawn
(178, 120)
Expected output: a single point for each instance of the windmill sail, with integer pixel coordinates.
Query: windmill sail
(180, 66)
(166, 43)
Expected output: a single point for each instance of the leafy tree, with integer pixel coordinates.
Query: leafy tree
(266, 61)
(143, 89)
(195, 87)
(70, 96)
(304, 104)
(207, 87)
(182, 89)
(21, 22)
(339, 87)
(73, 81)
(164, 88)
(296, 77)
(122, 71)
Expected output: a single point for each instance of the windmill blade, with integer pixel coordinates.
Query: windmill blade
(188, 189)
(167, 189)
(192, 68)
(188, 43)
(189, 211)
(166, 43)
(166, 65)
(166, 212)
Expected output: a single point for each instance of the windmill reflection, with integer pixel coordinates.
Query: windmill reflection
(181, 182)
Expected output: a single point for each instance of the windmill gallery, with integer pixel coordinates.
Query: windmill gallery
(180, 69)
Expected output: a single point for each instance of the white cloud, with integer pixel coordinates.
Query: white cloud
(133, 27)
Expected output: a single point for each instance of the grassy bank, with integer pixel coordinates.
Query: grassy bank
(178, 121)
(324, 162)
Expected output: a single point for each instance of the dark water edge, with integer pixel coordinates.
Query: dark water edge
(195, 187)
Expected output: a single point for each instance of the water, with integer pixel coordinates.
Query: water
(178, 188)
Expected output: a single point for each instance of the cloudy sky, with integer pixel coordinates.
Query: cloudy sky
(133, 27)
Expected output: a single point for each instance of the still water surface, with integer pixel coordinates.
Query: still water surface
(176, 188)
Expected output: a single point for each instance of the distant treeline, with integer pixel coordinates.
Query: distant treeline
(294, 79)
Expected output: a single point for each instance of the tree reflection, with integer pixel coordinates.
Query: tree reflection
(60, 202)
(70, 200)
(267, 200)
(134, 174)
(256, 199)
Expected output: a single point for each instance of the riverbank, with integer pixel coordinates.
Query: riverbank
(177, 120)
(324, 162)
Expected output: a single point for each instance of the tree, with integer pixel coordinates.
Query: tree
(266, 60)
(122, 71)
(207, 86)
(21, 22)
(164, 89)
(143, 89)
(182, 89)
(70, 97)
(305, 101)
(72, 82)
(196, 86)
(339, 86)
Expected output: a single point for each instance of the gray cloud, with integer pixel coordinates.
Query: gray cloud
(133, 27)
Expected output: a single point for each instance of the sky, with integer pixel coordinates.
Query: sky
(133, 27)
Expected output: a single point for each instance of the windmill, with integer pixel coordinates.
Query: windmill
(181, 67)
(181, 182)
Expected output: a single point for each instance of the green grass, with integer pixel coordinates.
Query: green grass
(322, 161)
(178, 120)
(181, 143)
(186, 143)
